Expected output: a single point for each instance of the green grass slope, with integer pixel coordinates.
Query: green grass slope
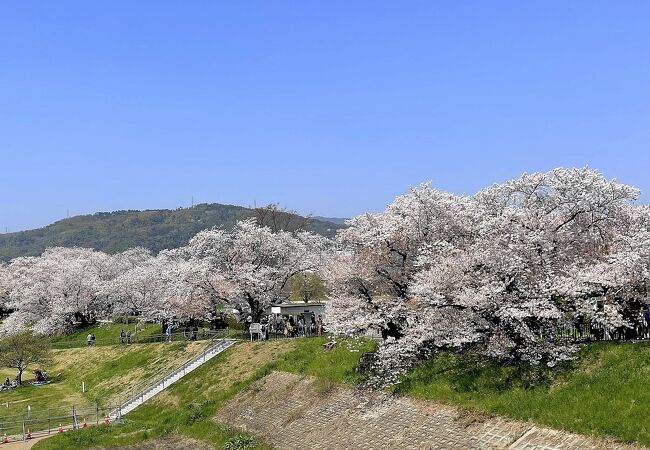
(117, 231)
(187, 408)
(107, 372)
(604, 392)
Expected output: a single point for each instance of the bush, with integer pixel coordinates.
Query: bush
(239, 442)
(125, 319)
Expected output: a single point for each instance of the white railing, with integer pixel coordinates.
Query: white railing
(144, 390)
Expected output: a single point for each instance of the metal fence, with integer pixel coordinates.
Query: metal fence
(201, 335)
(35, 424)
(587, 332)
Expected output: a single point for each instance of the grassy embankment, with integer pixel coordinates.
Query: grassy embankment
(106, 370)
(602, 392)
(187, 407)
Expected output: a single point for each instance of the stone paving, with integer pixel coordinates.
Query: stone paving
(295, 412)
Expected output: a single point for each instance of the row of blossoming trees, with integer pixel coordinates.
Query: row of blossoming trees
(248, 267)
(498, 272)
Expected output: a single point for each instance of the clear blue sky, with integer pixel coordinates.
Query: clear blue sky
(330, 108)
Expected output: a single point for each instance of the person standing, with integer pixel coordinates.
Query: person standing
(169, 332)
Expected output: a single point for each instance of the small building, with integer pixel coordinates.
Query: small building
(295, 309)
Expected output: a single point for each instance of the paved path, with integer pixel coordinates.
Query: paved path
(294, 412)
(23, 445)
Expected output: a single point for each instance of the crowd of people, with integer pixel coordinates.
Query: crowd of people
(306, 324)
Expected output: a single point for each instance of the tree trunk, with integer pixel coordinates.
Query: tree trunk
(19, 377)
(254, 305)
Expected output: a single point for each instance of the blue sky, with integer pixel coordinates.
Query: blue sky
(330, 108)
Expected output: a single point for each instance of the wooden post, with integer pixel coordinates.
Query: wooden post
(49, 421)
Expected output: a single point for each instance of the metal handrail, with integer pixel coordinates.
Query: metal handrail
(161, 380)
(145, 386)
(149, 381)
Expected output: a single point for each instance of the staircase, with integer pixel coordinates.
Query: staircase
(143, 391)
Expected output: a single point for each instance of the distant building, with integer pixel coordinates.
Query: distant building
(297, 308)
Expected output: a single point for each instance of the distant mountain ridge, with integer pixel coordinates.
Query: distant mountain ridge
(336, 220)
(155, 229)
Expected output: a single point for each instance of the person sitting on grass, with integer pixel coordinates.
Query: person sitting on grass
(38, 376)
(7, 383)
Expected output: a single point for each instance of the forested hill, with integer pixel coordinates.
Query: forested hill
(153, 229)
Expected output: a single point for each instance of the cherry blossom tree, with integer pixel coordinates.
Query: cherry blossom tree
(5, 288)
(181, 296)
(138, 284)
(52, 292)
(250, 266)
(498, 272)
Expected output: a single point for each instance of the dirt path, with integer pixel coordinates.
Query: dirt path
(23, 445)
(295, 412)
(166, 443)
